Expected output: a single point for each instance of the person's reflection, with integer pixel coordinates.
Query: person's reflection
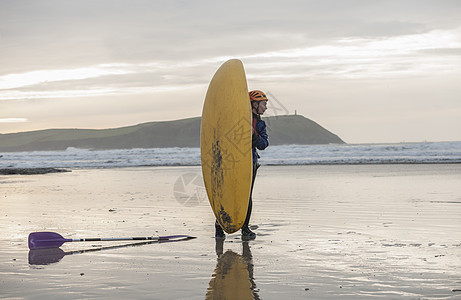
(233, 276)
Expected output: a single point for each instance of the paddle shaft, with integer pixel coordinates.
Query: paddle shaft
(120, 239)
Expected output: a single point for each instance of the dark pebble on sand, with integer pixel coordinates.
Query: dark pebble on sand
(81, 274)
(30, 171)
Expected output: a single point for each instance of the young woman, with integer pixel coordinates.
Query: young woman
(260, 141)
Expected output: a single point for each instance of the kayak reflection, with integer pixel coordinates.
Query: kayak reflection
(233, 275)
(54, 255)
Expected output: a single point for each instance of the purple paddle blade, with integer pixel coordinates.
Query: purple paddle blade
(40, 240)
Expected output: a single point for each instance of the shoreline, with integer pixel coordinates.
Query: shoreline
(48, 170)
(42, 171)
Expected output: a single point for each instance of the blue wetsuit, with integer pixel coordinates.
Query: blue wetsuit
(260, 139)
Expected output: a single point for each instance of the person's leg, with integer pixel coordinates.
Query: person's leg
(219, 233)
(246, 232)
(250, 207)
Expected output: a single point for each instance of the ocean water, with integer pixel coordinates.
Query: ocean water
(393, 153)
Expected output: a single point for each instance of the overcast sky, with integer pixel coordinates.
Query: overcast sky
(369, 71)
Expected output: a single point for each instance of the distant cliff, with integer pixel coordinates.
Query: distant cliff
(296, 129)
(291, 129)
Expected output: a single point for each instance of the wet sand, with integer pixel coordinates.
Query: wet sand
(324, 232)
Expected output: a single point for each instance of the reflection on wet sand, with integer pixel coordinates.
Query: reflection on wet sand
(233, 275)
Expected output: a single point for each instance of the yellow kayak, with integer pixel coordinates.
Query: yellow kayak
(225, 145)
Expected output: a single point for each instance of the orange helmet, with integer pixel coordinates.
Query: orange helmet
(257, 95)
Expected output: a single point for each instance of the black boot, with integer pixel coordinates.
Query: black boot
(247, 234)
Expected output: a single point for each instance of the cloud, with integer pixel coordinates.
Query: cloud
(12, 81)
(92, 92)
(13, 120)
(398, 56)
(104, 79)
(51, 34)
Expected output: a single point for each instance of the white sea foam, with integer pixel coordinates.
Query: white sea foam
(440, 152)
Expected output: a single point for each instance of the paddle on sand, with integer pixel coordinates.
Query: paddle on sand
(45, 239)
(53, 255)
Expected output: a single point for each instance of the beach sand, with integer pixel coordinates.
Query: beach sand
(324, 232)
